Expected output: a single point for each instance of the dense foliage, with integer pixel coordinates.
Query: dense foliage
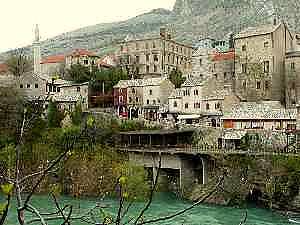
(176, 78)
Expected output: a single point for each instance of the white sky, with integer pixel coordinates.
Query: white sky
(18, 17)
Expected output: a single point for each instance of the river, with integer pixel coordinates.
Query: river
(165, 204)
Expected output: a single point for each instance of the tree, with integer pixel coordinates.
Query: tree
(79, 73)
(18, 63)
(176, 78)
(54, 115)
(76, 115)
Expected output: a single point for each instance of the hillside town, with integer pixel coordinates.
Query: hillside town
(248, 81)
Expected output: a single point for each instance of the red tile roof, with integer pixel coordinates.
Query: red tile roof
(219, 56)
(3, 68)
(53, 59)
(82, 52)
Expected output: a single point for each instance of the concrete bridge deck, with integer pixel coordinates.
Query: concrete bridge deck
(195, 150)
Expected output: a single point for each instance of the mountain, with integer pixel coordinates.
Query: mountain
(189, 20)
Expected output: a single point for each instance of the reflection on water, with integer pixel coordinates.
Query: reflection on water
(163, 205)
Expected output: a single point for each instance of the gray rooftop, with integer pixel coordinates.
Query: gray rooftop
(269, 110)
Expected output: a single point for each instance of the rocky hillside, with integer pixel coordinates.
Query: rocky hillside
(190, 20)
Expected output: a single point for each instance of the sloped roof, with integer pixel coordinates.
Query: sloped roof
(261, 111)
(219, 56)
(192, 81)
(259, 30)
(3, 68)
(139, 82)
(82, 52)
(53, 59)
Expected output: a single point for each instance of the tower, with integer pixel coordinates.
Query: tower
(37, 51)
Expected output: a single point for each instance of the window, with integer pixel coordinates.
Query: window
(154, 102)
(217, 105)
(147, 69)
(133, 91)
(147, 57)
(175, 104)
(85, 62)
(21, 86)
(266, 66)
(216, 76)
(196, 92)
(137, 59)
(154, 45)
(36, 86)
(186, 105)
(78, 89)
(225, 75)
(54, 88)
(50, 88)
(58, 89)
(155, 57)
(244, 68)
(137, 99)
(266, 44)
(293, 66)
(147, 45)
(148, 101)
(28, 86)
(137, 69)
(258, 85)
(137, 46)
(130, 99)
(267, 85)
(244, 48)
(122, 48)
(155, 68)
(244, 84)
(207, 106)
(150, 92)
(200, 62)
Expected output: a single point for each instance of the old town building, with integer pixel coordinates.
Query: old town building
(203, 99)
(146, 98)
(266, 115)
(152, 57)
(259, 62)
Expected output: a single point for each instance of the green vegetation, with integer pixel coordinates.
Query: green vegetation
(176, 78)
(100, 80)
(54, 115)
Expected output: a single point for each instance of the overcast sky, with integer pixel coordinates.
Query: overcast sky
(18, 17)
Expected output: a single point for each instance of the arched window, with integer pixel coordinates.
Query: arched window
(150, 92)
(207, 106)
(175, 104)
(186, 105)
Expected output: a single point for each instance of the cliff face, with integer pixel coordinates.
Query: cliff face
(191, 19)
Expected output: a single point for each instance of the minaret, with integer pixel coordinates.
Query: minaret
(37, 51)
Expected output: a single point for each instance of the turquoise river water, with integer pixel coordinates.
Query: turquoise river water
(164, 204)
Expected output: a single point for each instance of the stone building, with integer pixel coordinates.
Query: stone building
(82, 57)
(259, 62)
(146, 98)
(41, 84)
(201, 98)
(152, 57)
(266, 115)
(292, 78)
(53, 65)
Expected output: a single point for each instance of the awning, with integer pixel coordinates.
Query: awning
(188, 117)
